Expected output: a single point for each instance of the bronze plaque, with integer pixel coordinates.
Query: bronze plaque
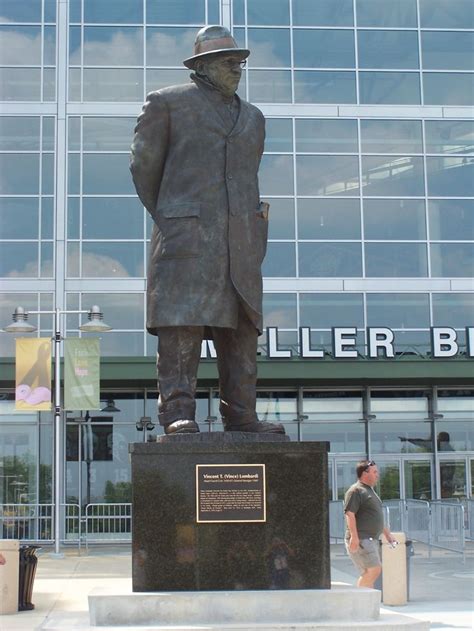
(230, 493)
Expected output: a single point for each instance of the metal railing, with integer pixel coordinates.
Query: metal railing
(35, 522)
(108, 523)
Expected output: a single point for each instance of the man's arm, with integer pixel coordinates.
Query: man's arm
(352, 527)
(388, 535)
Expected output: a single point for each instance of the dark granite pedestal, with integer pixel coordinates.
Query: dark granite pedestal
(288, 548)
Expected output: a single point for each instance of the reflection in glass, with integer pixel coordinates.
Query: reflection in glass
(328, 219)
(388, 49)
(447, 51)
(343, 437)
(122, 310)
(175, 12)
(47, 260)
(73, 174)
(452, 475)
(276, 175)
(270, 86)
(448, 88)
(396, 88)
(47, 174)
(19, 174)
(391, 136)
(157, 79)
(112, 260)
(268, 12)
(20, 45)
(402, 260)
(49, 84)
(168, 46)
(105, 133)
(73, 218)
(450, 177)
(270, 47)
(276, 407)
(118, 11)
(456, 435)
(322, 13)
(324, 87)
(417, 480)
(449, 136)
(326, 135)
(324, 311)
(114, 84)
(48, 133)
(394, 437)
(49, 49)
(75, 82)
(280, 260)
(446, 14)
(451, 219)
(20, 133)
(106, 173)
(327, 175)
(20, 84)
(111, 46)
(47, 217)
(317, 48)
(25, 11)
(394, 219)
(112, 218)
(398, 311)
(282, 219)
(330, 259)
(395, 177)
(72, 260)
(452, 259)
(397, 13)
(279, 310)
(458, 310)
(19, 260)
(278, 134)
(388, 485)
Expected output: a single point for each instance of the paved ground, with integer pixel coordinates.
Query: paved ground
(442, 588)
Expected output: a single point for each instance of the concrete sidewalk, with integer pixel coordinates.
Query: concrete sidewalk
(442, 588)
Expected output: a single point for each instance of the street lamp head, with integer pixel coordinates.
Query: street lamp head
(110, 407)
(96, 323)
(20, 322)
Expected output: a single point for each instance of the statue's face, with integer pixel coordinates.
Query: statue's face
(223, 71)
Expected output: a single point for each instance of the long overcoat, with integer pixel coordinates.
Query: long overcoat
(198, 180)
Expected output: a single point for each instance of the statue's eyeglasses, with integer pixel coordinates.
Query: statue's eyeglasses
(231, 63)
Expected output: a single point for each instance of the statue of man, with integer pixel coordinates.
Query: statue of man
(195, 158)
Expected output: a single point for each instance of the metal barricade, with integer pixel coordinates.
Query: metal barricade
(418, 520)
(394, 514)
(447, 530)
(108, 523)
(26, 522)
(469, 519)
(337, 523)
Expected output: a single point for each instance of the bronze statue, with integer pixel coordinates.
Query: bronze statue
(195, 158)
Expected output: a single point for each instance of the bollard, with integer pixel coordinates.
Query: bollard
(394, 571)
(28, 563)
(9, 576)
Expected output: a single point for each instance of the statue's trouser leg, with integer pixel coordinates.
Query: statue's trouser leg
(237, 364)
(179, 350)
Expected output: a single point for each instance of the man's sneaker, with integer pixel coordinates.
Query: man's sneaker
(258, 427)
(182, 427)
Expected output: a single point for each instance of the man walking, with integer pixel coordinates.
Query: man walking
(365, 523)
(195, 158)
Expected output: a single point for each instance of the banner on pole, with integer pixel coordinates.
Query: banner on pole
(33, 374)
(81, 374)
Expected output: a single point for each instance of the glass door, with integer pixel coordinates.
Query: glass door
(418, 479)
(453, 478)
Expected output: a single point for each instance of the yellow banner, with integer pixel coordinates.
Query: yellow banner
(33, 374)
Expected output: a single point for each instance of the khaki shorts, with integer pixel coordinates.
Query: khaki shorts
(367, 556)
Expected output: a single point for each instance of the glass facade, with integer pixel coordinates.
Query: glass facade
(368, 168)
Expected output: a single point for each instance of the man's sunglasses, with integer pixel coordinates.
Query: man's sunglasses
(370, 463)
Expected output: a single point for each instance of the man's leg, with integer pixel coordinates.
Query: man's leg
(179, 350)
(368, 578)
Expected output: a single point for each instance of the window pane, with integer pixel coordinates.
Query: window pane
(279, 260)
(119, 260)
(451, 219)
(107, 173)
(120, 344)
(327, 175)
(268, 12)
(20, 45)
(450, 177)
(121, 311)
(175, 12)
(112, 46)
(25, 11)
(157, 79)
(19, 132)
(388, 49)
(270, 86)
(47, 179)
(449, 136)
(19, 260)
(400, 438)
(326, 136)
(452, 259)
(324, 87)
(447, 51)
(398, 311)
(452, 474)
(324, 311)
(278, 134)
(328, 219)
(19, 218)
(238, 7)
(396, 13)
(397, 88)
(446, 14)
(282, 219)
(118, 11)
(330, 259)
(20, 174)
(322, 13)
(47, 218)
(389, 136)
(116, 84)
(112, 218)
(279, 310)
(276, 175)
(442, 88)
(343, 437)
(20, 84)
(269, 47)
(397, 177)
(106, 133)
(455, 309)
(395, 260)
(323, 49)
(394, 219)
(49, 52)
(169, 46)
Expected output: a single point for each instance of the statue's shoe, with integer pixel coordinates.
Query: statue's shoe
(182, 427)
(258, 427)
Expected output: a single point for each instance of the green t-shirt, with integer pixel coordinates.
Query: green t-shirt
(366, 505)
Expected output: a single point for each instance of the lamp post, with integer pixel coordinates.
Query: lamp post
(20, 325)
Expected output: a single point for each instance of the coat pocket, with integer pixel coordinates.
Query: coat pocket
(179, 228)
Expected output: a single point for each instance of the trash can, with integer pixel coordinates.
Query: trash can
(27, 566)
(9, 576)
(394, 582)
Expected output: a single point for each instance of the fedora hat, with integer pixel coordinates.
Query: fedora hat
(214, 40)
